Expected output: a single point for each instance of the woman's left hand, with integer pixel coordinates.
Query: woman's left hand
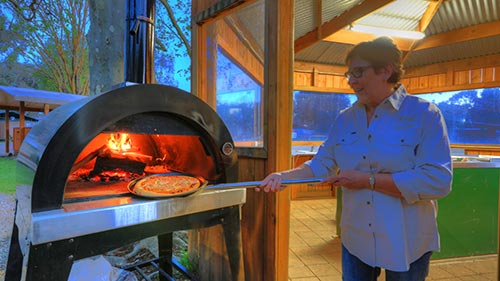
(271, 183)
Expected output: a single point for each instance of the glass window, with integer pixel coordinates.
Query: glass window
(314, 112)
(472, 116)
(238, 52)
(239, 103)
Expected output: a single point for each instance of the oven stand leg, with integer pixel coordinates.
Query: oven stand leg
(232, 235)
(15, 260)
(51, 261)
(165, 245)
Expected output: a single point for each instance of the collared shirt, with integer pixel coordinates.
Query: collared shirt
(407, 138)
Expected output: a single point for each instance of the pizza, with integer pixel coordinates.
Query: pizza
(165, 185)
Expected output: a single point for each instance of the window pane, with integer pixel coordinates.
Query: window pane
(239, 103)
(314, 112)
(235, 52)
(472, 116)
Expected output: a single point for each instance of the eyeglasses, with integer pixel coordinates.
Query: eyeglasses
(356, 72)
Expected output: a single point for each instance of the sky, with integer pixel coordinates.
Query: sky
(182, 63)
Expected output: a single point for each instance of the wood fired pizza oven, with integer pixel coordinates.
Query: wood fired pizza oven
(90, 148)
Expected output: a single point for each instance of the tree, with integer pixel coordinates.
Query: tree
(50, 37)
(173, 45)
(106, 38)
(46, 38)
(314, 113)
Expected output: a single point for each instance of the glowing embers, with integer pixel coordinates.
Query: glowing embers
(122, 156)
(111, 157)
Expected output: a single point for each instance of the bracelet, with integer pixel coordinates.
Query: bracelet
(372, 181)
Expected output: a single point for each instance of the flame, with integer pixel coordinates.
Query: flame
(119, 142)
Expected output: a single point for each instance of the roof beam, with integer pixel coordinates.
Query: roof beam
(475, 32)
(318, 16)
(425, 20)
(428, 15)
(339, 22)
(352, 37)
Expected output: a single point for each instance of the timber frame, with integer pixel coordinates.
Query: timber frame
(265, 216)
(483, 72)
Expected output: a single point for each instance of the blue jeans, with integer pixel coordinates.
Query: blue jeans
(353, 269)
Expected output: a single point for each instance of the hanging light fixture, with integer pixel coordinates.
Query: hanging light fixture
(381, 31)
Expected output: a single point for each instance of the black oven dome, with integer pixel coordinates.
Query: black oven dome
(52, 145)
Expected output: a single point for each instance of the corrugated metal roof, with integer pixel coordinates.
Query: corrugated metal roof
(403, 14)
(463, 13)
(324, 52)
(332, 9)
(305, 13)
(464, 50)
(304, 22)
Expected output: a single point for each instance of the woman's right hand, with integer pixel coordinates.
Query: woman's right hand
(271, 183)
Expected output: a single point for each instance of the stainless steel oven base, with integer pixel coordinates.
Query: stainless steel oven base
(54, 239)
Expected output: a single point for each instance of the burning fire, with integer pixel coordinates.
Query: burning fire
(119, 142)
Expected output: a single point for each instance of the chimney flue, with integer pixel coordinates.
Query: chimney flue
(139, 41)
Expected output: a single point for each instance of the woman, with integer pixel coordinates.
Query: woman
(390, 154)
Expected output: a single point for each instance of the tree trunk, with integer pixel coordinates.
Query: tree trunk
(106, 44)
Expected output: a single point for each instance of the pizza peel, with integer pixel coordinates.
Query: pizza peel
(214, 187)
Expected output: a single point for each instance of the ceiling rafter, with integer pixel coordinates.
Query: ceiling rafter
(425, 20)
(319, 17)
(339, 22)
(475, 32)
(428, 15)
(352, 37)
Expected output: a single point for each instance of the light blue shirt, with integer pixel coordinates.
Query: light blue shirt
(407, 138)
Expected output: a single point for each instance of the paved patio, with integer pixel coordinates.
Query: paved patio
(315, 249)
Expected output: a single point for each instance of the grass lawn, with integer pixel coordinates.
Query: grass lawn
(8, 175)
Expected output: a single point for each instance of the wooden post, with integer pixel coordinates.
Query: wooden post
(22, 127)
(21, 116)
(7, 132)
(210, 243)
(46, 108)
(278, 75)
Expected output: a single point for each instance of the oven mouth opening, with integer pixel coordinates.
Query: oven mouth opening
(112, 160)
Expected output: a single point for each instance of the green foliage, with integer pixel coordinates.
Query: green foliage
(50, 38)
(7, 175)
(470, 115)
(190, 263)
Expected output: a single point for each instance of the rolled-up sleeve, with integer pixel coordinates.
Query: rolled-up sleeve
(431, 178)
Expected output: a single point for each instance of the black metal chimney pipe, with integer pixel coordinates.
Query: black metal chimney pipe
(139, 41)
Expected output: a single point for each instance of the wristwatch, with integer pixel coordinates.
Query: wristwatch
(372, 181)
